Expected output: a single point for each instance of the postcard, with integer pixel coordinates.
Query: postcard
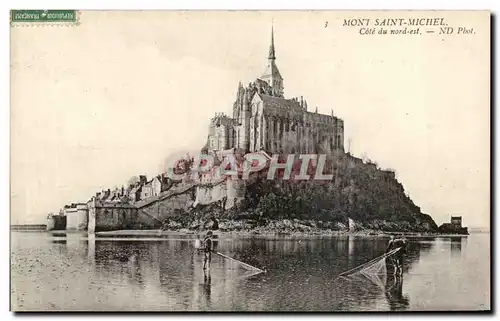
(250, 161)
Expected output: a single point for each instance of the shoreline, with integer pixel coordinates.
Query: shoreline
(183, 232)
(249, 233)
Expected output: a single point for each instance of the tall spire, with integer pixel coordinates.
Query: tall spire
(272, 54)
(272, 75)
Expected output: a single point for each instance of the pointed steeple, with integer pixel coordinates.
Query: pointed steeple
(272, 53)
(272, 75)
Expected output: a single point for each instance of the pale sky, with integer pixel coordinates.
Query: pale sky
(94, 104)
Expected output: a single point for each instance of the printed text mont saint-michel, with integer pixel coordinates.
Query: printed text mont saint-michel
(393, 22)
(410, 26)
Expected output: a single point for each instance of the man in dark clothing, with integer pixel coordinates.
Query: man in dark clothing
(208, 248)
(397, 258)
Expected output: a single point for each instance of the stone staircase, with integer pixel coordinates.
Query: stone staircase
(169, 193)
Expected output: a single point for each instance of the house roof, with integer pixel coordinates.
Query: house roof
(280, 104)
(272, 71)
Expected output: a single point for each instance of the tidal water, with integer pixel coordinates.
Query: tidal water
(70, 272)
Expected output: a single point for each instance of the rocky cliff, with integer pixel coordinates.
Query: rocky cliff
(371, 197)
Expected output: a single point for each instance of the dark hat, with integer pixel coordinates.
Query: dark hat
(209, 233)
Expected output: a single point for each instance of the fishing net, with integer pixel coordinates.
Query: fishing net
(374, 272)
(237, 263)
(369, 282)
(377, 266)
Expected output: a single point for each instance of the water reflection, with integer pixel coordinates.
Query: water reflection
(58, 241)
(207, 286)
(134, 270)
(456, 245)
(91, 249)
(302, 273)
(58, 234)
(394, 293)
(297, 267)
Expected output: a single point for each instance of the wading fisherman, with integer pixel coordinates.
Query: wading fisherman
(207, 248)
(397, 258)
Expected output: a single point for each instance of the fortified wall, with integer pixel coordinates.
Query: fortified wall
(228, 191)
(56, 222)
(182, 198)
(76, 217)
(106, 216)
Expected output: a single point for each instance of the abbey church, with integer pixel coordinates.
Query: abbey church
(263, 119)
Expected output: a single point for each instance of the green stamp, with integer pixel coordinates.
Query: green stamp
(43, 17)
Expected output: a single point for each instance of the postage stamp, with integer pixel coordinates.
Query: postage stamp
(44, 17)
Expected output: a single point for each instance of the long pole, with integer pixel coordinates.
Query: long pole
(242, 263)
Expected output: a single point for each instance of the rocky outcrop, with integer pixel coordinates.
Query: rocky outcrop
(287, 227)
(371, 197)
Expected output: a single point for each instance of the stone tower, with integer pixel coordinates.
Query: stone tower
(244, 123)
(272, 75)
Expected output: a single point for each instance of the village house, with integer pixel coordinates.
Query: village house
(134, 193)
(151, 188)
